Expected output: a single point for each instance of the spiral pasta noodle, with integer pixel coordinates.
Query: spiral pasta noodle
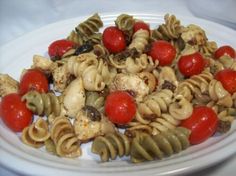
(219, 94)
(139, 40)
(95, 73)
(111, 145)
(100, 51)
(89, 26)
(170, 30)
(208, 49)
(214, 65)
(226, 119)
(200, 82)
(154, 104)
(125, 23)
(43, 103)
(134, 65)
(179, 110)
(36, 134)
(64, 138)
(75, 37)
(145, 147)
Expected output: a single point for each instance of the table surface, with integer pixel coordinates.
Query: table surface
(20, 17)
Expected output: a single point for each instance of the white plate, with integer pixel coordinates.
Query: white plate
(17, 55)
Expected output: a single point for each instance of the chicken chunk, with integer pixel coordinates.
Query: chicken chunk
(130, 82)
(8, 85)
(90, 123)
(42, 63)
(74, 97)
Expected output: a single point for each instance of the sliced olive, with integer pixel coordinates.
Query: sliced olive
(85, 48)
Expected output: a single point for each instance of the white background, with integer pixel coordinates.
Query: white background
(18, 17)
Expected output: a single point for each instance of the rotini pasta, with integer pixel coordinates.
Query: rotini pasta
(134, 65)
(145, 147)
(75, 37)
(154, 104)
(125, 23)
(43, 103)
(179, 110)
(219, 94)
(111, 145)
(139, 40)
(199, 82)
(89, 26)
(36, 134)
(170, 30)
(95, 73)
(64, 138)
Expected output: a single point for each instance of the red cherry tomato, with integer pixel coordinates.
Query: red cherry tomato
(59, 47)
(191, 64)
(202, 123)
(120, 107)
(33, 79)
(163, 51)
(113, 39)
(225, 50)
(14, 112)
(141, 25)
(228, 79)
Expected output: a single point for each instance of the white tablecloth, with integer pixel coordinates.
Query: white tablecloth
(18, 17)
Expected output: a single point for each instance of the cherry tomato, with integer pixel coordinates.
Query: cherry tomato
(163, 51)
(225, 50)
(141, 25)
(113, 39)
(191, 64)
(14, 112)
(120, 107)
(202, 123)
(33, 79)
(59, 47)
(227, 77)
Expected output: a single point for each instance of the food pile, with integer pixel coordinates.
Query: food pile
(128, 89)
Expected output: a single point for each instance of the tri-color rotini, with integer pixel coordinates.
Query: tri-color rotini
(145, 147)
(64, 138)
(110, 146)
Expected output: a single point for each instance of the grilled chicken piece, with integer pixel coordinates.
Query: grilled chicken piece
(8, 85)
(74, 97)
(42, 63)
(130, 82)
(90, 123)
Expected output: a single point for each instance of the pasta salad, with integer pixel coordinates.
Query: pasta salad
(128, 89)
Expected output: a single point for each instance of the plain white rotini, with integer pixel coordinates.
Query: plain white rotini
(36, 134)
(154, 104)
(64, 138)
(139, 40)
